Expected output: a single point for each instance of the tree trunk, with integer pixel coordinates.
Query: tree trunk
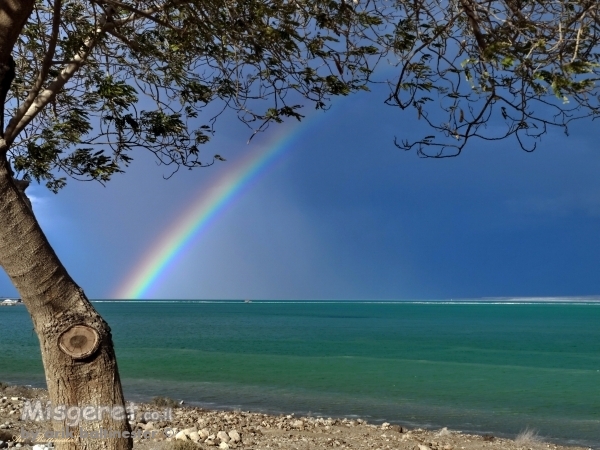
(76, 343)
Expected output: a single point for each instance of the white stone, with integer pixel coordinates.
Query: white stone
(204, 433)
(224, 445)
(194, 436)
(385, 425)
(298, 424)
(234, 436)
(223, 436)
(181, 436)
(423, 447)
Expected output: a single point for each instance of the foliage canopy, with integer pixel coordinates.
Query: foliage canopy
(522, 66)
(96, 79)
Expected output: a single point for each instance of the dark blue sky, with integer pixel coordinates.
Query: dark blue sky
(346, 215)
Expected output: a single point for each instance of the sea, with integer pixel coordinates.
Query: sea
(494, 367)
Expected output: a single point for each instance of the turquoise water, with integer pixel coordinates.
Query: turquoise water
(488, 368)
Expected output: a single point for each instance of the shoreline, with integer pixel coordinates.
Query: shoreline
(210, 429)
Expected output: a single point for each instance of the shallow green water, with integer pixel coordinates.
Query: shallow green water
(476, 367)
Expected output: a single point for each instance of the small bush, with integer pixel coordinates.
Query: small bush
(526, 437)
(164, 402)
(184, 445)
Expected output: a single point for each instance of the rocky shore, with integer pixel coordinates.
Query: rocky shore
(164, 425)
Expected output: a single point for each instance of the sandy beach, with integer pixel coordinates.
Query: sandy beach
(185, 428)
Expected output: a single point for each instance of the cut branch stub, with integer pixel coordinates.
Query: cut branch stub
(79, 341)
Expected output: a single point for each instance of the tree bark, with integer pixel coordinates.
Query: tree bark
(13, 15)
(76, 343)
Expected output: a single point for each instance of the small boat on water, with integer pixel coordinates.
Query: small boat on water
(247, 301)
(9, 302)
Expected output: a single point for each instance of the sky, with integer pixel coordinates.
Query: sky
(341, 213)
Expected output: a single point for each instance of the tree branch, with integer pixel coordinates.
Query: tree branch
(474, 23)
(46, 63)
(129, 43)
(147, 13)
(42, 99)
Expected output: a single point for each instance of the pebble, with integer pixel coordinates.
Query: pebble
(234, 436)
(223, 437)
(40, 447)
(181, 436)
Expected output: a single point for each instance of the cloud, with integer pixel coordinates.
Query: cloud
(562, 205)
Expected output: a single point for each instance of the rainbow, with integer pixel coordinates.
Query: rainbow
(197, 218)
